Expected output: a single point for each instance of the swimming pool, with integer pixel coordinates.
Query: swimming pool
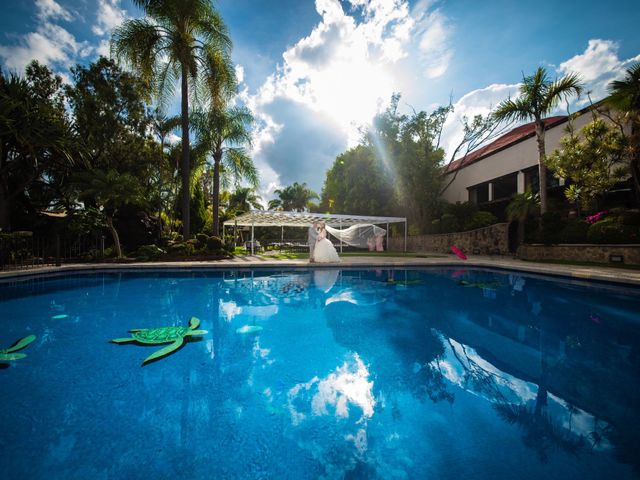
(439, 373)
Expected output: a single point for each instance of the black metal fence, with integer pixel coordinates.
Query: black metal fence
(22, 250)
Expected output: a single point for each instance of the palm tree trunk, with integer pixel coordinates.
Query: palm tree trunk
(542, 167)
(186, 171)
(160, 190)
(114, 234)
(215, 201)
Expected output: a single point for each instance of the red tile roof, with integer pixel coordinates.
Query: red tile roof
(516, 135)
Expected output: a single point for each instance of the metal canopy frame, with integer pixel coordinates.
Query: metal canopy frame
(271, 218)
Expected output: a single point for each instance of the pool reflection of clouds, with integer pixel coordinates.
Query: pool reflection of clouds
(347, 386)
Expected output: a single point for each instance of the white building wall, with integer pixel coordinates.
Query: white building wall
(512, 159)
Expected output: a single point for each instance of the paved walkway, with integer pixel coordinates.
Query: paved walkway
(602, 273)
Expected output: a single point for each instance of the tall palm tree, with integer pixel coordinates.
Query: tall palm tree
(224, 133)
(538, 97)
(245, 199)
(296, 197)
(625, 97)
(162, 126)
(178, 39)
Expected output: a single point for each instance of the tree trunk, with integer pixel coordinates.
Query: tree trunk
(114, 234)
(5, 211)
(215, 201)
(160, 190)
(542, 167)
(521, 230)
(186, 170)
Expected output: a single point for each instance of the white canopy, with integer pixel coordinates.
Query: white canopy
(270, 218)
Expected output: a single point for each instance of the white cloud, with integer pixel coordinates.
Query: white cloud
(49, 9)
(109, 16)
(476, 102)
(49, 44)
(339, 76)
(434, 33)
(598, 65)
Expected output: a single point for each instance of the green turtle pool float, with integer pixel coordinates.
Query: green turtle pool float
(7, 354)
(152, 336)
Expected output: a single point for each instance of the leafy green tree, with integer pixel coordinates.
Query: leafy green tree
(358, 183)
(275, 204)
(225, 133)
(296, 197)
(592, 160)
(625, 97)
(110, 190)
(37, 143)
(184, 39)
(538, 97)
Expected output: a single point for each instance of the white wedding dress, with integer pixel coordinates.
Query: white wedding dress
(324, 252)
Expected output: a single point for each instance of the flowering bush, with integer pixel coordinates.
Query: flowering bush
(596, 217)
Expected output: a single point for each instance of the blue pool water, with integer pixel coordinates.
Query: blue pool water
(443, 374)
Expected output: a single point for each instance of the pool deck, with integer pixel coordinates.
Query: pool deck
(598, 273)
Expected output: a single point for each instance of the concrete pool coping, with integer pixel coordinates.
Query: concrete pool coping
(595, 273)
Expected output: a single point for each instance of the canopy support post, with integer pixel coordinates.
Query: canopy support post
(235, 234)
(405, 235)
(340, 236)
(387, 237)
(252, 237)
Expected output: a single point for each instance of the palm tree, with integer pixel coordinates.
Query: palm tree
(538, 97)
(625, 97)
(521, 207)
(275, 204)
(162, 127)
(244, 199)
(184, 39)
(224, 132)
(296, 197)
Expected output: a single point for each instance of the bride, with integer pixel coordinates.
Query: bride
(324, 251)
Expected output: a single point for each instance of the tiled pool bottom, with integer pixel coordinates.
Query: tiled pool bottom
(338, 374)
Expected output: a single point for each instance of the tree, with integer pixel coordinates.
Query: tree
(178, 39)
(591, 160)
(538, 97)
(162, 127)
(520, 208)
(110, 190)
(244, 199)
(36, 139)
(296, 197)
(358, 183)
(224, 133)
(625, 97)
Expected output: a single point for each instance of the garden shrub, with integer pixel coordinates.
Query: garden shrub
(613, 230)
(575, 231)
(449, 223)
(479, 220)
(214, 244)
(181, 249)
(148, 252)
(631, 217)
(202, 240)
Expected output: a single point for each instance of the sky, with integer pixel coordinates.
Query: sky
(315, 72)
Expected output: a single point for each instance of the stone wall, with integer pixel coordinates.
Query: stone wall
(492, 240)
(580, 252)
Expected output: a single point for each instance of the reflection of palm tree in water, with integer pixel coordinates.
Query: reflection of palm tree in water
(540, 432)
